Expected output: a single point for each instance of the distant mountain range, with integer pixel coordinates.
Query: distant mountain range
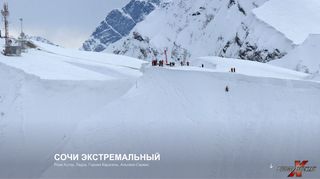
(187, 29)
(41, 39)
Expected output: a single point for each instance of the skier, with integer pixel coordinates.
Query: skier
(202, 65)
(227, 88)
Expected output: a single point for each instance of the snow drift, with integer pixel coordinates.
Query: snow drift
(43, 96)
(295, 19)
(249, 68)
(38, 116)
(200, 130)
(55, 63)
(304, 58)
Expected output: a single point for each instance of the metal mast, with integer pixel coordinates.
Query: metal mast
(21, 25)
(166, 56)
(5, 14)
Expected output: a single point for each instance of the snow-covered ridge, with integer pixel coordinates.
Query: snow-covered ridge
(40, 39)
(56, 63)
(249, 68)
(304, 58)
(118, 24)
(294, 18)
(191, 29)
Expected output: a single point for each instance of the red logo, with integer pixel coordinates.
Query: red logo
(299, 167)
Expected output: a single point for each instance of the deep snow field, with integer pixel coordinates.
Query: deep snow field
(55, 100)
(44, 95)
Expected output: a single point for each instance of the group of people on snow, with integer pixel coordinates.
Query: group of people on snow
(161, 63)
(233, 70)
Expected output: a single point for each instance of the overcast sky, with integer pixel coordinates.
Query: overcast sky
(65, 22)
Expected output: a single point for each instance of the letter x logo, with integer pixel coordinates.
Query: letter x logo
(298, 168)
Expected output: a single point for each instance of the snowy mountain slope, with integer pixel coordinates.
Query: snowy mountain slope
(40, 39)
(56, 100)
(295, 19)
(304, 58)
(204, 28)
(38, 116)
(43, 96)
(118, 24)
(249, 68)
(56, 63)
(200, 130)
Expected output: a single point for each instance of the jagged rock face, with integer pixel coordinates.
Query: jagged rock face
(189, 29)
(118, 24)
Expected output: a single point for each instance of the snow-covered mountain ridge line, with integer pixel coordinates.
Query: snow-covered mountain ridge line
(118, 24)
(294, 18)
(40, 39)
(52, 62)
(304, 58)
(202, 28)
